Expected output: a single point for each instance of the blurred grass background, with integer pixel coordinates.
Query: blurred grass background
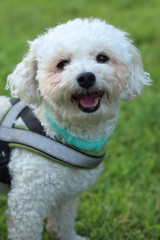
(125, 202)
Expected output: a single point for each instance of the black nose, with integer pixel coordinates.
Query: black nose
(86, 79)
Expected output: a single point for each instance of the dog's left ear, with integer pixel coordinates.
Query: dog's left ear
(22, 82)
(138, 78)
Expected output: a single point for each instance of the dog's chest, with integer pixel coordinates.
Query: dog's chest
(52, 179)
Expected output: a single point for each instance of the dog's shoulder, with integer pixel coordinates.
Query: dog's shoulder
(5, 104)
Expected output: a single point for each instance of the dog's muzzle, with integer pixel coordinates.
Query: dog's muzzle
(88, 100)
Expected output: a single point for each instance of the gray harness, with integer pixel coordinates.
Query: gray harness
(11, 137)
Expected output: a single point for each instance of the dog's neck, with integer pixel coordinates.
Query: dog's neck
(85, 135)
(79, 143)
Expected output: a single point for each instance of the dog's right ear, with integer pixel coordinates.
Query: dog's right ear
(22, 82)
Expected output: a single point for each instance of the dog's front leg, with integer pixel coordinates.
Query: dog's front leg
(25, 215)
(61, 221)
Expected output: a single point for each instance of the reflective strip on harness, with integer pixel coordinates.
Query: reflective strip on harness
(43, 145)
(50, 147)
(12, 114)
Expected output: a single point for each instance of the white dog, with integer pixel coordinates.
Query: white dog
(74, 78)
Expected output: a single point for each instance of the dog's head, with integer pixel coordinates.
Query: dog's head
(81, 68)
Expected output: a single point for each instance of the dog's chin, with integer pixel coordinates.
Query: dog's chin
(88, 102)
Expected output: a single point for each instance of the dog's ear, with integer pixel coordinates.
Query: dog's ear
(22, 82)
(138, 78)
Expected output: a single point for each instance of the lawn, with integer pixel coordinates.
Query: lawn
(125, 202)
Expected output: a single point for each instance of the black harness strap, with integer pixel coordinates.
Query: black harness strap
(5, 157)
(4, 160)
(31, 121)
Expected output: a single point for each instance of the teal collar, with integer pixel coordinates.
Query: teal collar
(74, 141)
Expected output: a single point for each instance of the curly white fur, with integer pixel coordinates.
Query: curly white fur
(39, 186)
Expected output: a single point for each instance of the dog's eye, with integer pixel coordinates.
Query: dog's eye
(62, 64)
(102, 58)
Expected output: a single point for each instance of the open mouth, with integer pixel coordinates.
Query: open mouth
(88, 102)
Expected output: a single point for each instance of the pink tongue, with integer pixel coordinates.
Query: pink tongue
(88, 100)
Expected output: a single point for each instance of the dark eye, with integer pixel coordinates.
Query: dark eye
(102, 58)
(62, 64)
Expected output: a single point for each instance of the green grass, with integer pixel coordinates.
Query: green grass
(125, 202)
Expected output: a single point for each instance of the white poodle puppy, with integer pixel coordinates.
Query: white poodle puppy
(74, 77)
